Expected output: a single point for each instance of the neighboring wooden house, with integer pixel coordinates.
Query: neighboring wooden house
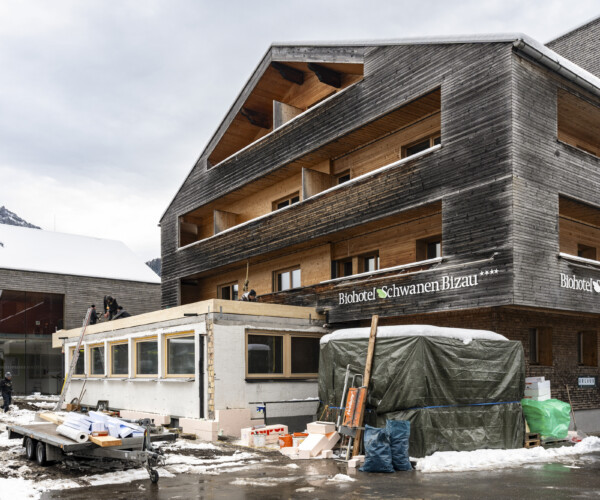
(47, 282)
(447, 181)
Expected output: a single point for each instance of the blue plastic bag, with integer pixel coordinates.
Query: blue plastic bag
(378, 453)
(398, 432)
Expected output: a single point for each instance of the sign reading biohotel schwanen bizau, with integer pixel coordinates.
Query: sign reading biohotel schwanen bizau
(446, 282)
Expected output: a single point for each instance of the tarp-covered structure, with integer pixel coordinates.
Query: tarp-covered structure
(460, 389)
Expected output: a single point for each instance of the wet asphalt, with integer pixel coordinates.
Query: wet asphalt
(577, 477)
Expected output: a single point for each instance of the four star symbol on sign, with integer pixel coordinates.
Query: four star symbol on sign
(487, 272)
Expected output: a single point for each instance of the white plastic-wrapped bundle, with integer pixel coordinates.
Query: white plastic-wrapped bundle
(74, 434)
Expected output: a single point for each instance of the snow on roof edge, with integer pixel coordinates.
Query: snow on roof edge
(463, 334)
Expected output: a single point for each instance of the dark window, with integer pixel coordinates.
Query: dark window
(31, 312)
(228, 292)
(369, 263)
(586, 252)
(265, 354)
(417, 148)
(341, 268)
(286, 279)
(146, 353)
(587, 348)
(119, 359)
(437, 140)
(80, 365)
(305, 355)
(429, 248)
(540, 346)
(343, 177)
(288, 200)
(97, 360)
(180, 355)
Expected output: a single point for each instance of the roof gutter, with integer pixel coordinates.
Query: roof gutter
(539, 56)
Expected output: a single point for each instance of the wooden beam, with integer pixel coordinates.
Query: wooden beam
(313, 182)
(326, 75)
(223, 220)
(283, 113)
(366, 380)
(288, 73)
(256, 118)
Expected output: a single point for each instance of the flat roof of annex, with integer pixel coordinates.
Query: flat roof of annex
(190, 312)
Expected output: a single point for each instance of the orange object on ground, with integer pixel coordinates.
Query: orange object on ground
(285, 441)
(355, 406)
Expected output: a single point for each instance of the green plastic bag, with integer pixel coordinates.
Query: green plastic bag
(550, 418)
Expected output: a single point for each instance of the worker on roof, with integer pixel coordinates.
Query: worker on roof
(6, 390)
(110, 307)
(249, 296)
(121, 313)
(94, 315)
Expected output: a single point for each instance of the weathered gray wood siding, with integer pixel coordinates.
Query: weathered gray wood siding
(582, 46)
(545, 168)
(80, 292)
(470, 173)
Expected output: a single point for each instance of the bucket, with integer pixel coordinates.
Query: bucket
(298, 437)
(285, 441)
(260, 440)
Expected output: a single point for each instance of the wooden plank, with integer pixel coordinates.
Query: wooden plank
(283, 113)
(105, 441)
(366, 380)
(313, 182)
(51, 417)
(224, 220)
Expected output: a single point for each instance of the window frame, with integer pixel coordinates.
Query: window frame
(136, 342)
(432, 142)
(90, 360)
(228, 285)
(286, 355)
(287, 198)
(341, 175)
(82, 356)
(286, 270)
(543, 355)
(110, 359)
(582, 353)
(369, 255)
(421, 247)
(166, 338)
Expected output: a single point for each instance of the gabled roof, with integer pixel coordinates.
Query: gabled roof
(25, 249)
(353, 51)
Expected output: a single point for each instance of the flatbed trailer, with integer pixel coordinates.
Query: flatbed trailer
(43, 444)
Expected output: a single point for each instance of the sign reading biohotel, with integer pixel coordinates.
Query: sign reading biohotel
(448, 282)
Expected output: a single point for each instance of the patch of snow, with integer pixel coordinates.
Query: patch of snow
(463, 334)
(341, 478)
(453, 461)
(264, 481)
(292, 466)
(307, 489)
(18, 417)
(186, 444)
(19, 488)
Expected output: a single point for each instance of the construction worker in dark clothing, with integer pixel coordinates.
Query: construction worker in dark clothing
(110, 307)
(121, 313)
(249, 296)
(94, 315)
(6, 390)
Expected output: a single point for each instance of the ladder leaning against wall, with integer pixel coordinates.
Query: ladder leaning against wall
(74, 359)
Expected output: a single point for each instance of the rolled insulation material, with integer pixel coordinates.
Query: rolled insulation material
(74, 434)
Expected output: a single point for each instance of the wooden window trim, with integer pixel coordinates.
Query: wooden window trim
(544, 354)
(587, 356)
(110, 346)
(166, 338)
(432, 138)
(285, 198)
(287, 355)
(286, 270)
(137, 341)
(81, 355)
(90, 364)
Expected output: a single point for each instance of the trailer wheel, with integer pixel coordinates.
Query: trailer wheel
(154, 477)
(40, 453)
(30, 448)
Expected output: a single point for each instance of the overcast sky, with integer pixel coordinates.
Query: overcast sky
(106, 105)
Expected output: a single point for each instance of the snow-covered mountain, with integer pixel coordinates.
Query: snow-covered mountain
(12, 219)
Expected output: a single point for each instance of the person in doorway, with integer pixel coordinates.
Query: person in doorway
(249, 296)
(94, 315)
(6, 390)
(121, 313)
(110, 307)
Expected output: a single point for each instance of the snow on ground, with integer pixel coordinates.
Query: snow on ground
(341, 478)
(454, 461)
(16, 416)
(186, 444)
(264, 481)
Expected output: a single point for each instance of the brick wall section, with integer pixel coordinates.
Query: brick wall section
(80, 292)
(582, 46)
(515, 324)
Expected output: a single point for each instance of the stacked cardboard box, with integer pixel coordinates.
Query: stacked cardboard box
(537, 388)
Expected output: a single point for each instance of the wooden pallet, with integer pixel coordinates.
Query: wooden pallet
(532, 440)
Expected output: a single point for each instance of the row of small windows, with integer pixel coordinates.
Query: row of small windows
(179, 357)
(540, 347)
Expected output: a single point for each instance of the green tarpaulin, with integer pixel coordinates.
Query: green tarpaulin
(460, 392)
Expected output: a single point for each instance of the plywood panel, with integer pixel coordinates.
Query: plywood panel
(283, 113)
(224, 220)
(313, 182)
(573, 233)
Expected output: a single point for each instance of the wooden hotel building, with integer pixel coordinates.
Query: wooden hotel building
(444, 181)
